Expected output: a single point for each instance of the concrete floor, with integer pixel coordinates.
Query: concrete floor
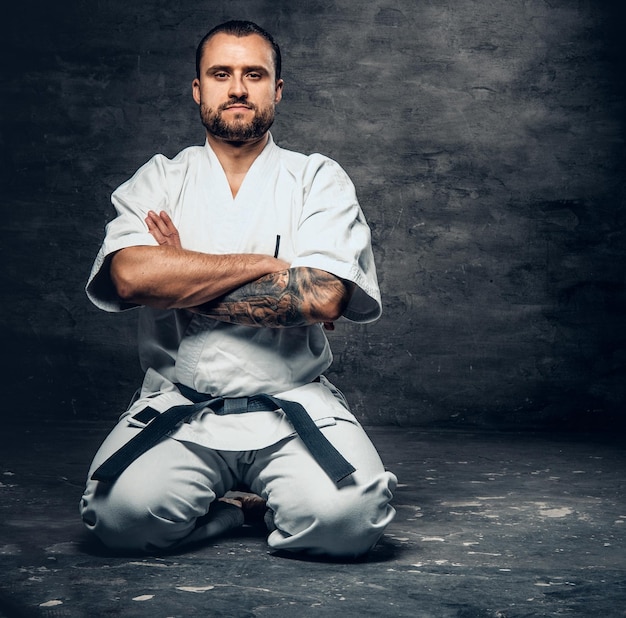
(488, 525)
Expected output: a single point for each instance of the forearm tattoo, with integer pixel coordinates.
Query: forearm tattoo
(294, 297)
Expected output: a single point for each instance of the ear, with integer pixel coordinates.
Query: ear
(278, 92)
(195, 90)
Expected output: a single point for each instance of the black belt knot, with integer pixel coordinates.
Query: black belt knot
(160, 424)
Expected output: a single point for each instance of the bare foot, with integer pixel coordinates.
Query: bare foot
(253, 506)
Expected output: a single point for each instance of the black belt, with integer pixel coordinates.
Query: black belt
(160, 424)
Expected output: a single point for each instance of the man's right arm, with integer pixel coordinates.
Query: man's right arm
(169, 277)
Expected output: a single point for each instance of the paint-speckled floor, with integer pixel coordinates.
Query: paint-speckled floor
(487, 525)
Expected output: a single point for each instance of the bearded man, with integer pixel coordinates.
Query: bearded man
(237, 254)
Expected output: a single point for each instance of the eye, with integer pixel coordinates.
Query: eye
(220, 75)
(254, 75)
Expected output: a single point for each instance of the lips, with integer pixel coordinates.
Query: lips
(237, 105)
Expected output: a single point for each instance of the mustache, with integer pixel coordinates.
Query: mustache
(237, 101)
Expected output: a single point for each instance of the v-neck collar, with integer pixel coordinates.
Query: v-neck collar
(255, 177)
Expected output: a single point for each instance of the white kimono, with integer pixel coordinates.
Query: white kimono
(163, 499)
(305, 205)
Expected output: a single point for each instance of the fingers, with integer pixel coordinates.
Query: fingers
(153, 229)
(161, 224)
(163, 229)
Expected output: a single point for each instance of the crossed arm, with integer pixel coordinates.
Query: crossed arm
(248, 289)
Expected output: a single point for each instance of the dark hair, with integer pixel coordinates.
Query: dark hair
(240, 29)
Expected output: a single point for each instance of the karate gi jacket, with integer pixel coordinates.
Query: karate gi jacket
(310, 205)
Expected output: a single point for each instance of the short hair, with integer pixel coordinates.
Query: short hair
(240, 29)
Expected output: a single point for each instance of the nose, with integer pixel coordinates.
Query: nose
(237, 87)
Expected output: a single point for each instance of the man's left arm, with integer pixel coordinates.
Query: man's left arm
(294, 297)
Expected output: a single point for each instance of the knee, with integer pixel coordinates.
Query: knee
(352, 524)
(347, 522)
(134, 516)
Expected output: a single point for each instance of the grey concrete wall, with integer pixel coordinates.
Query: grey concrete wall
(486, 140)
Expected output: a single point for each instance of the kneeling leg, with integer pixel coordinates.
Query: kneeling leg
(157, 501)
(313, 514)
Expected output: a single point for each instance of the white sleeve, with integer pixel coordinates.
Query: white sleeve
(334, 236)
(145, 191)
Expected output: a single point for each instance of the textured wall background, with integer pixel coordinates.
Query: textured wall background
(486, 140)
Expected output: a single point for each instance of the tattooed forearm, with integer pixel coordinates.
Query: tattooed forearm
(294, 297)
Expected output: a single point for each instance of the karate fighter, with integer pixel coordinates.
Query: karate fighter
(238, 254)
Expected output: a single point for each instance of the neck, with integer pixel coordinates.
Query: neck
(237, 157)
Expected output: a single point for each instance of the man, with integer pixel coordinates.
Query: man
(239, 253)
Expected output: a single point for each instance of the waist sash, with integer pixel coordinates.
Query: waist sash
(160, 425)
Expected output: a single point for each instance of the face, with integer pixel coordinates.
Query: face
(237, 90)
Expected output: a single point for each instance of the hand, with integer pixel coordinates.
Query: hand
(163, 229)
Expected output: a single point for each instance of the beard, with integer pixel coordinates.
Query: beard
(238, 129)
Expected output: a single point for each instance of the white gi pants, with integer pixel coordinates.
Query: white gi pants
(167, 497)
